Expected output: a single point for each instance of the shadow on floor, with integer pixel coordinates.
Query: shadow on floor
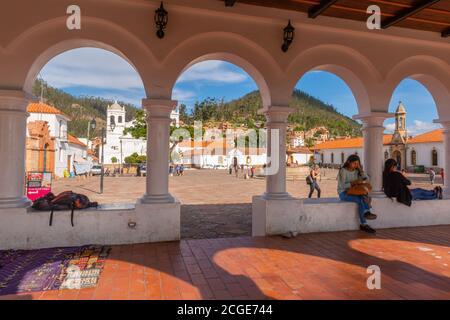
(207, 221)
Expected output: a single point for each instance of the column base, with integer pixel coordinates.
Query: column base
(276, 196)
(378, 194)
(446, 193)
(21, 202)
(157, 198)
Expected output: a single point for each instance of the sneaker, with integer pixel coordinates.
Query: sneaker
(440, 193)
(370, 216)
(367, 228)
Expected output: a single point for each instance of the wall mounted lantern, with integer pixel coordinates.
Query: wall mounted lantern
(229, 3)
(161, 19)
(288, 37)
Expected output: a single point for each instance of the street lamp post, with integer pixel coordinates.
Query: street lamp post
(102, 170)
(121, 156)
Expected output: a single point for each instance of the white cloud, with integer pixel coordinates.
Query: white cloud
(212, 70)
(390, 127)
(421, 127)
(417, 127)
(183, 95)
(93, 68)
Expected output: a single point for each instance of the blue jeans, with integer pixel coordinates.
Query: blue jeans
(314, 186)
(422, 194)
(363, 207)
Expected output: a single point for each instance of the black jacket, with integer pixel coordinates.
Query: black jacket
(395, 185)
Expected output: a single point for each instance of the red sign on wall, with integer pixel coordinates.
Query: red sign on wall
(38, 184)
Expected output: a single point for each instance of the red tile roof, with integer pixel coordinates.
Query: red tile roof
(74, 140)
(432, 136)
(42, 108)
(348, 143)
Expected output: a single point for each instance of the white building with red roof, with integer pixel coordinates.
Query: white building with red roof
(70, 153)
(424, 150)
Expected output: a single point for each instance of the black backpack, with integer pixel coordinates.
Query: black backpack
(66, 200)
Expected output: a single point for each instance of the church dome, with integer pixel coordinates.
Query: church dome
(115, 106)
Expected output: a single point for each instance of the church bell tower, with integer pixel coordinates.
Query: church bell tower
(400, 134)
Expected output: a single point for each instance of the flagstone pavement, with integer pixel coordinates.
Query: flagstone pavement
(414, 264)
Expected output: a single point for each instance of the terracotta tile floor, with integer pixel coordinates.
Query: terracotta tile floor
(414, 264)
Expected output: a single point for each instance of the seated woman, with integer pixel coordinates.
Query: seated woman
(395, 185)
(350, 174)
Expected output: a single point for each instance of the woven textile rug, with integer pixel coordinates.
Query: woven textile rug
(24, 271)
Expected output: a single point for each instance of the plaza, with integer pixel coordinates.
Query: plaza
(187, 237)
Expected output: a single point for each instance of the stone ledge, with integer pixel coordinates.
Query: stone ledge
(272, 217)
(22, 229)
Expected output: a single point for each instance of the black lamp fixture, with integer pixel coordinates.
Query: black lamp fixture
(161, 19)
(93, 124)
(288, 37)
(112, 124)
(229, 3)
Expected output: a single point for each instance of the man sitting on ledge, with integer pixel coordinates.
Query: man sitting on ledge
(395, 185)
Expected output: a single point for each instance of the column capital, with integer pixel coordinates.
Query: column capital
(373, 119)
(277, 114)
(159, 108)
(444, 122)
(14, 102)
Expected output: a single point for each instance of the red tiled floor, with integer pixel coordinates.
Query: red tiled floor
(414, 263)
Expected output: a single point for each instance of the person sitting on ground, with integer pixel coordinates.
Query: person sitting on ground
(395, 185)
(349, 175)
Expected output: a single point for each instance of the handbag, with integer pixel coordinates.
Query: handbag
(360, 189)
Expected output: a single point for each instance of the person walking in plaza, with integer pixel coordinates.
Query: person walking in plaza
(181, 169)
(442, 175)
(351, 175)
(312, 181)
(396, 185)
(432, 174)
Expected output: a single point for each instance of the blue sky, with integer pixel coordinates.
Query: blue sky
(98, 72)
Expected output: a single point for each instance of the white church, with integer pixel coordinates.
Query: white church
(118, 145)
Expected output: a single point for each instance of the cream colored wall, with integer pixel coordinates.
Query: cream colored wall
(372, 63)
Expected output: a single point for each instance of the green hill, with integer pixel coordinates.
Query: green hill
(80, 109)
(310, 112)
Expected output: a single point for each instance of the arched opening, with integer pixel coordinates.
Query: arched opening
(45, 167)
(415, 137)
(434, 158)
(323, 109)
(222, 143)
(413, 157)
(81, 92)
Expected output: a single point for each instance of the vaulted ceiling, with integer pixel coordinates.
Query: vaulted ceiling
(428, 15)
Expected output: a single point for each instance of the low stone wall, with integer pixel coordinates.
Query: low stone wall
(272, 217)
(140, 223)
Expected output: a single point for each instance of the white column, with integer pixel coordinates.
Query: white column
(446, 161)
(373, 131)
(158, 130)
(276, 181)
(13, 126)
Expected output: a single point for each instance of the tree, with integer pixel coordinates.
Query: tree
(139, 128)
(114, 160)
(309, 142)
(135, 159)
(184, 116)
